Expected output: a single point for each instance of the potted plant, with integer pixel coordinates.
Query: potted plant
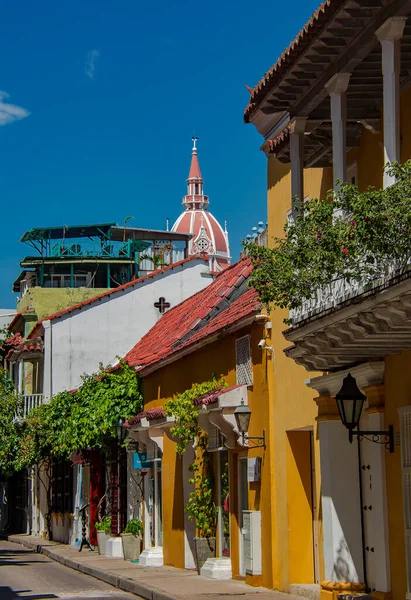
(201, 506)
(103, 528)
(131, 539)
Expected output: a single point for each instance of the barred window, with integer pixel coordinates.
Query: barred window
(244, 367)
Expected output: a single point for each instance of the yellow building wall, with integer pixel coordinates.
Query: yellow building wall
(158, 387)
(47, 301)
(397, 379)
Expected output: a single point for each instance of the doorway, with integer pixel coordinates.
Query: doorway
(302, 541)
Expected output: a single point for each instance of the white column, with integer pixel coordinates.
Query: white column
(389, 35)
(297, 128)
(340, 497)
(337, 89)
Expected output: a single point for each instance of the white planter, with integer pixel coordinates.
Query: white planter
(131, 546)
(102, 542)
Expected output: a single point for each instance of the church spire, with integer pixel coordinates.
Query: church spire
(195, 198)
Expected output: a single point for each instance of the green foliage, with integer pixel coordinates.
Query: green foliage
(104, 525)
(200, 505)
(185, 413)
(352, 235)
(10, 406)
(70, 421)
(134, 526)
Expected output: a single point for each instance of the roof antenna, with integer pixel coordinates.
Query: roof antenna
(167, 229)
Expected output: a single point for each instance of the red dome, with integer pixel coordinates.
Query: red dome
(208, 235)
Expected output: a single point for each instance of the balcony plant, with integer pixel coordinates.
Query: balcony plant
(353, 236)
(131, 539)
(103, 528)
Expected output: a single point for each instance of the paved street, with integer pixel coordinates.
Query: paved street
(25, 574)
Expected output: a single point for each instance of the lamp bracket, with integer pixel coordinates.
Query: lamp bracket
(253, 441)
(374, 436)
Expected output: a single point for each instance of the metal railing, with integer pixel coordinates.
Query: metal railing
(31, 401)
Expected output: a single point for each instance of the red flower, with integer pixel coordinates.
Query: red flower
(354, 223)
(319, 235)
(367, 219)
(389, 218)
(345, 251)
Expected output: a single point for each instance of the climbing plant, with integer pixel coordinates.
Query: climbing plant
(70, 422)
(200, 506)
(10, 406)
(351, 235)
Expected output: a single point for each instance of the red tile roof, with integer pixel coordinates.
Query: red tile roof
(291, 54)
(153, 414)
(223, 303)
(36, 329)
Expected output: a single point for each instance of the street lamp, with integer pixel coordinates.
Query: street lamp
(242, 416)
(120, 429)
(350, 401)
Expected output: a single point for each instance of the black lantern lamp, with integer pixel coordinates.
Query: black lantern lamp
(120, 429)
(350, 401)
(242, 416)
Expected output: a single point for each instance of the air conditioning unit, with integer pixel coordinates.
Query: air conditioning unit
(252, 542)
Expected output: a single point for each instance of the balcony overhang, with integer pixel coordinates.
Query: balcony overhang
(365, 328)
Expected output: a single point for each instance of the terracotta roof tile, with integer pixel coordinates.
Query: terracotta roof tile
(197, 317)
(36, 329)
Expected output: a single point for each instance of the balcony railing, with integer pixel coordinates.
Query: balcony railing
(340, 291)
(31, 401)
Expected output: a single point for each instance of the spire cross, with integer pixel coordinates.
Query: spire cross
(194, 138)
(162, 305)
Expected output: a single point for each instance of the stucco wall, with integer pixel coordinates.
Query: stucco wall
(219, 358)
(77, 342)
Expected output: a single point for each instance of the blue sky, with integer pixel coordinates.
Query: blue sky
(113, 92)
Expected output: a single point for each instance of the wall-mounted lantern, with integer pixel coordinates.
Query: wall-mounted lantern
(350, 401)
(242, 416)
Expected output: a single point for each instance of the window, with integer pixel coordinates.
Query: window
(64, 281)
(61, 486)
(405, 439)
(196, 189)
(244, 368)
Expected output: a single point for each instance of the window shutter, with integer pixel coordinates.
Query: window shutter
(215, 438)
(244, 369)
(405, 438)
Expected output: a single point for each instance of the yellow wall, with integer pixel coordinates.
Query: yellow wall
(292, 406)
(218, 358)
(46, 301)
(397, 393)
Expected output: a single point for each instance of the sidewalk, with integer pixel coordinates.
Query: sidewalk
(150, 583)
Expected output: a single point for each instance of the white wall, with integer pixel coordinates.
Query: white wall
(77, 342)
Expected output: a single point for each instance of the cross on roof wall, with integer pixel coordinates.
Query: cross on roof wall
(162, 305)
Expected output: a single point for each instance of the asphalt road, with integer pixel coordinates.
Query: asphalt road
(25, 574)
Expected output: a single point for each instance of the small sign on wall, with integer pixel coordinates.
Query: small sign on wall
(140, 461)
(253, 469)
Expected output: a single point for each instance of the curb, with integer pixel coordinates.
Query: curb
(126, 584)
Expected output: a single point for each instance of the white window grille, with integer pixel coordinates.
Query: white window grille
(215, 438)
(405, 439)
(244, 367)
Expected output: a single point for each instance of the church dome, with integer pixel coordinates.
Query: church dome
(208, 235)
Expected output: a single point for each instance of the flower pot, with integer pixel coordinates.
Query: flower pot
(131, 546)
(204, 548)
(102, 538)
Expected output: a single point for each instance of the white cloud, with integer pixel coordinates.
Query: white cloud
(90, 64)
(10, 112)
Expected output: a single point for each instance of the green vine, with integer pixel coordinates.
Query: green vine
(200, 506)
(70, 422)
(352, 235)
